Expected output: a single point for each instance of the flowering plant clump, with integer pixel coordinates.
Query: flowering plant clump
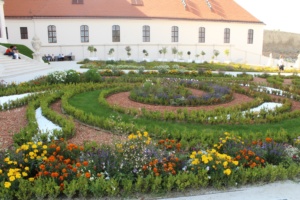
(167, 161)
(230, 144)
(248, 158)
(64, 163)
(22, 164)
(216, 164)
(271, 151)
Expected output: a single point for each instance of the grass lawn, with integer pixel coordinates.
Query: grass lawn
(89, 103)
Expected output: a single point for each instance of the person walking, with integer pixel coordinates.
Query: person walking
(281, 63)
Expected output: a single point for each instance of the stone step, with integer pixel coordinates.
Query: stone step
(12, 67)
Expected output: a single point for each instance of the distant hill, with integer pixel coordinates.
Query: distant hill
(279, 42)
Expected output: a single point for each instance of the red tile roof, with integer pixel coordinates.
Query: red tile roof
(222, 10)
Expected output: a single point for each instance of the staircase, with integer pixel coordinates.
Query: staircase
(12, 67)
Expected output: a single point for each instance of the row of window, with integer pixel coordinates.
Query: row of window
(116, 33)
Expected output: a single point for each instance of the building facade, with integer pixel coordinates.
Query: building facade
(195, 26)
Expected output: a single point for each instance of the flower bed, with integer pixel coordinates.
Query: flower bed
(139, 164)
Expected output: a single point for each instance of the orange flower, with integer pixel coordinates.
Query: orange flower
(262, 161)
(85, 163)
(268, 140)
(87, 175)
(46, 173)
(61, 186)
(254, 142)
(42, 167)
(67, 161)
(156, 174)
(81, 148)
(69, 166)
(144, 167)
(155, 170)
(74, 169)
(65, 174)
(173, 172)
(64, 170)
(61, 178)
(257, 158)
(78, 164)
(51, 158)
(54, 174)
(57, 149)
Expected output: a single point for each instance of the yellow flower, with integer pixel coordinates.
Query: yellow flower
(12, 178)
(192, 156)
(9, 162)
(31, 179)
(38, 157)
(26, 160)
(18, 175)
(31, 153)
(194, 153)
(146, 134)
(25, 147)
(6, 159)
(0, 171)
(7, 184)
(24, 174)
(15, 162)
(26, 168)
(36, 150)
(235, 162)
(45, 147)
(40, 143)
(227, 172)
(34, 146)
(225, 164)
(223, 141)
(44, 152)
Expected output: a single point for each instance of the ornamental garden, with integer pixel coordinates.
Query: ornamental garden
(184, 128)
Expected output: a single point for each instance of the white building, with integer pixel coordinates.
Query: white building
(70, 26)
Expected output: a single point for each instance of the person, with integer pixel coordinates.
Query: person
(281, 63)
(16, 55)
(9, 51)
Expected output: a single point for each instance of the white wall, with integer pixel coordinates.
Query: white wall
(100, 30)
(2, 24)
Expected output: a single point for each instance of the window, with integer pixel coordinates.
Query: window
(84, 33)
(146, 33)
(174, 34)
(116, 33)
(77, 1)
(52, 34)
(24, 33)
(250, 36)
(202, 35)
(226, 35)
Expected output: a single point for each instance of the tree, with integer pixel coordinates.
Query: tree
(164, 50)
(216, 53)
(128, 49)
(227, 52)
(111, 51)
(91, 49)
(189, 54)
(202, 54)
(174, 51)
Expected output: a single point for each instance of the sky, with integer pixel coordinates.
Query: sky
(280, 15)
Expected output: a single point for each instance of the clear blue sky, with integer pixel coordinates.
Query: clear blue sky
(281, 15)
